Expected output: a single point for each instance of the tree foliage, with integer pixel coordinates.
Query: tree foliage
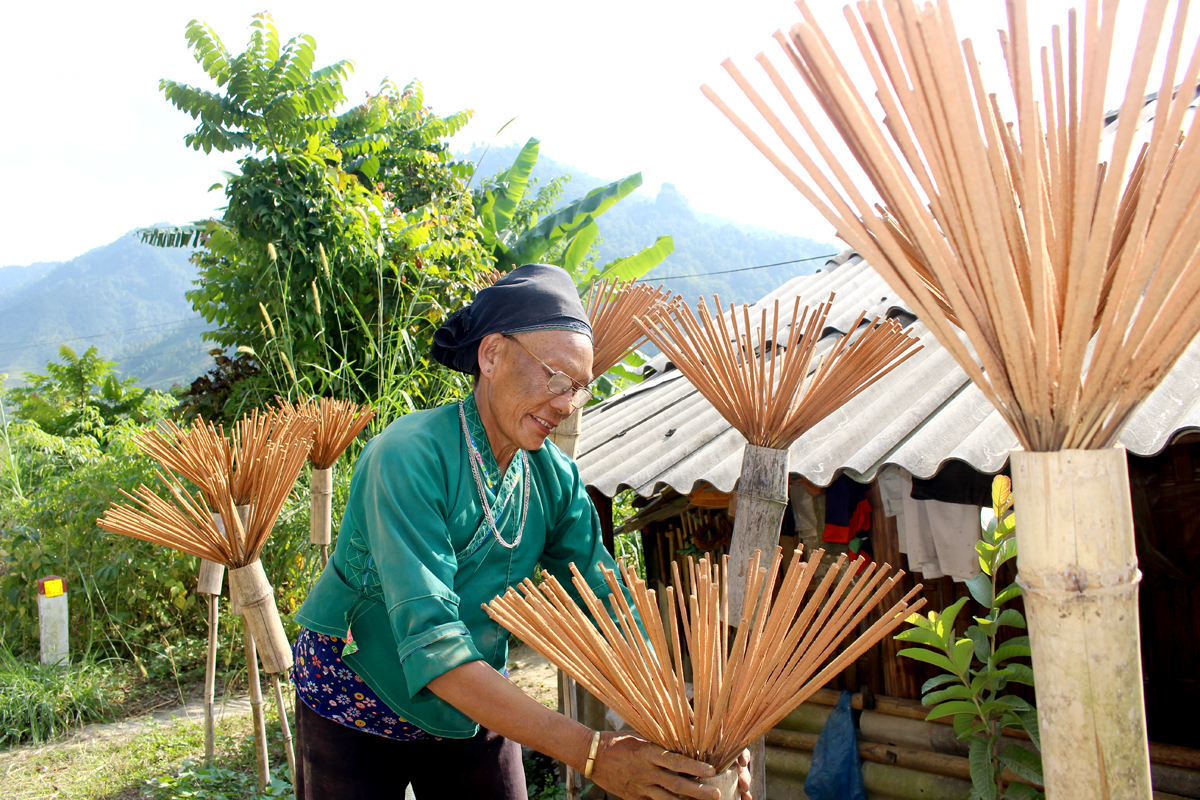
(520, 230)
(80, 396)
(346, 237)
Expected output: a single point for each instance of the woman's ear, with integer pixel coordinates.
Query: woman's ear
(488, 356)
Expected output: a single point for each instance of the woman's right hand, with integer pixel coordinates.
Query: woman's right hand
(635, 769)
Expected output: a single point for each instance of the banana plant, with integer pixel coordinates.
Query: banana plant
(563, 236)
(979, 666)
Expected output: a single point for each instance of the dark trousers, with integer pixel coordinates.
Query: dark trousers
(335, 762)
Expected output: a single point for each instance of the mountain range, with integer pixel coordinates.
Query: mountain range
(127, 298)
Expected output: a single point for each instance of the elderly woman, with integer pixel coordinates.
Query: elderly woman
(399, 669)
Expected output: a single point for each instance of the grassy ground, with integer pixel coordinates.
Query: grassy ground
(164, 761)
(121, 768)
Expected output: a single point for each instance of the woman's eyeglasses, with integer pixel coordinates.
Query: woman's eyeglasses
(559, 383)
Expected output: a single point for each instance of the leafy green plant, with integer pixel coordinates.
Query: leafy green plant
(342, 231)
(196, 781)
(81, 395)
(519, 230)
(980, 665)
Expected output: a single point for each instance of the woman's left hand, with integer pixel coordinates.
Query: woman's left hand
(743, 768)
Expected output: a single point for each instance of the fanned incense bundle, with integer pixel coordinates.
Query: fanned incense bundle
(201, 454)
(783, 651)
(1075, 280)
(612, 307)
(773, 406)
(339, 422)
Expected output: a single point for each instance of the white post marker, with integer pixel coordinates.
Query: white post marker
(52, 619)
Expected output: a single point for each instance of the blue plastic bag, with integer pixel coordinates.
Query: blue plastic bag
(836, 773)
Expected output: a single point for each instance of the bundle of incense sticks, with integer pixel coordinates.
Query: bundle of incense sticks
(762, 386)
(339, 422)
(265, 469)
(785, 647)
(1076, 281)
(487, 278)
(612, 307)
(201, 454)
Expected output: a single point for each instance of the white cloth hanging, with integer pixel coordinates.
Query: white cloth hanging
(940, 536)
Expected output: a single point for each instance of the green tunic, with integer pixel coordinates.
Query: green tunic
(415, 558)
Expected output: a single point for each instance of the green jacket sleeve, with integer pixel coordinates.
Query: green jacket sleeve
(402, 506)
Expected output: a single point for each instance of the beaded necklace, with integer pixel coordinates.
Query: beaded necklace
(487, 509)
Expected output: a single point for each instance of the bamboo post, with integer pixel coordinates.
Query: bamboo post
(212, 575)
(1078, 573)
(261, 757)
(264, 629)
(320, 518)
(566, 434)
(761, 502)
(257, 602)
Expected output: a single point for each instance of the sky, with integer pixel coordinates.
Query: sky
(90, 149)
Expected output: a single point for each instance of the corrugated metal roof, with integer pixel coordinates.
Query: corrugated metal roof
(664, 433)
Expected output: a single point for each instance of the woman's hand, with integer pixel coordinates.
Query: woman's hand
(632, 768)
(743, 768)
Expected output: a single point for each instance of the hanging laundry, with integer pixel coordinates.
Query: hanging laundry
(940, 536)
(891, 492)
(847, 511)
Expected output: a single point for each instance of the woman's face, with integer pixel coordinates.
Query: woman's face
(516, 408)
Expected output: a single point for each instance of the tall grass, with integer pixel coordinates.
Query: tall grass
(40, 701)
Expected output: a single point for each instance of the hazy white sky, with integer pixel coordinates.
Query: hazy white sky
(89, 149)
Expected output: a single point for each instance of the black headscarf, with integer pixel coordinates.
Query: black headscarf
(535, 297)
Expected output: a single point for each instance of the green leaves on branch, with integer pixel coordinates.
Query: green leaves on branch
(273, 99)
(979, 666)
(347, 236)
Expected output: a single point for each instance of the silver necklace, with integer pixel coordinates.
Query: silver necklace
(487, 509)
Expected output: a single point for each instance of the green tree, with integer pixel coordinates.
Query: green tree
(346, 237)
(80, 396)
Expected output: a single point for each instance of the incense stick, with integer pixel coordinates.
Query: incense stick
(774, 663)
(764, 387)
(1072, 278)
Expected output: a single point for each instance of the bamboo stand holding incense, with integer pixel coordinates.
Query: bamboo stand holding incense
(1074, 281)
(320, 511)
(1075, 509)
(258, 717)
(770, 399)
(247, 485)
(338, 423)
(761, 503)
(256, 601)
(212, 575)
